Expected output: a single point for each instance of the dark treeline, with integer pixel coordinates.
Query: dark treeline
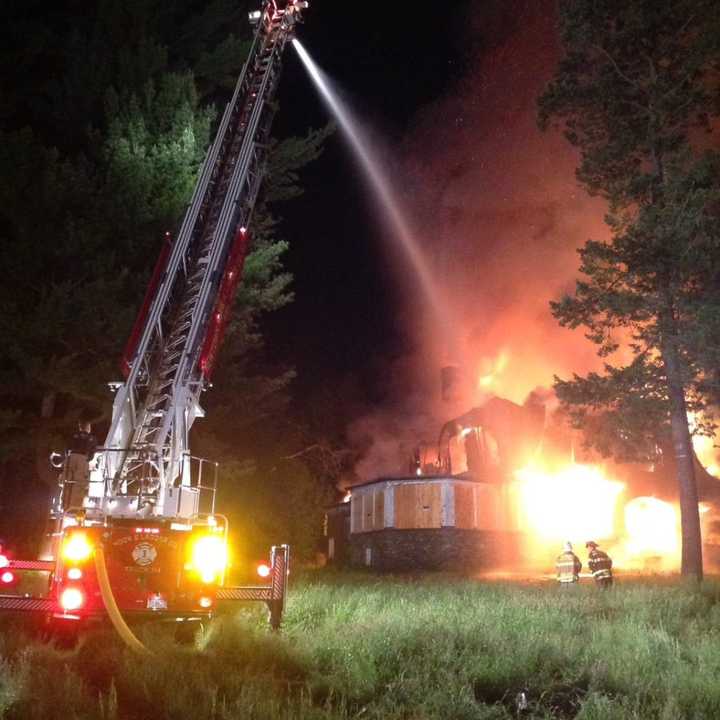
(106, 112)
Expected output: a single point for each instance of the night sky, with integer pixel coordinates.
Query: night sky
(448, 94)
(450, 98)
(389, 63)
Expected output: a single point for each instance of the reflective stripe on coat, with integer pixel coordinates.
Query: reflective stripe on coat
(600, 564)
(568, 567)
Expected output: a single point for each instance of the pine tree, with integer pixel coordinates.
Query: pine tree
(107, 112)
(637, 93)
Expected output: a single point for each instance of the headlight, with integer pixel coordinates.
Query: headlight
(77, 547)
(72, 599)
(208, 557)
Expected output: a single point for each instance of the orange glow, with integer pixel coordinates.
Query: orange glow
(579, 503)
(707, 453)
(76, 547)
(208, 557)
(491, 370)
(652, 527)
(576, 503)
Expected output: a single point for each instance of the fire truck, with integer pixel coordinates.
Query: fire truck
(146, 540)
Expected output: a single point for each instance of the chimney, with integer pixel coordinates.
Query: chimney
(450, 383)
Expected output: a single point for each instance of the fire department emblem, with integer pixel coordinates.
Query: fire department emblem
(144, 554)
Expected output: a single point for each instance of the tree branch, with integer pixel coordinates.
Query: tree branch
(305, 451)
(617, 69)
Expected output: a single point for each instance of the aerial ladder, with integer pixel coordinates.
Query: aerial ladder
(148, 540)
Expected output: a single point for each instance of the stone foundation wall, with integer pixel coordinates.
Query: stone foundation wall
(392, 550)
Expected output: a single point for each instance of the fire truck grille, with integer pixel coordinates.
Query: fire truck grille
(244, 593)
(22, 604)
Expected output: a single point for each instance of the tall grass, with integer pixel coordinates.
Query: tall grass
(359, 646)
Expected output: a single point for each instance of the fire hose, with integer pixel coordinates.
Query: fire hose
(113, 611)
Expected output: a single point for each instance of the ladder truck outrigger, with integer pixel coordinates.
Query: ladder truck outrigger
(147, 540)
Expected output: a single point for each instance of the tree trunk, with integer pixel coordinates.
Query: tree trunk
(692, 565)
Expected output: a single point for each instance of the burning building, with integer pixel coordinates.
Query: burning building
(453, 509)
(440, 522)
(501, 218)
(504, 485)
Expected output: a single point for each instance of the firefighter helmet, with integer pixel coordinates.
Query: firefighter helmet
(591, 544)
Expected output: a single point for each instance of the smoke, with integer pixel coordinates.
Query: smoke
(387, 437)
(507, 211)
(502, 217)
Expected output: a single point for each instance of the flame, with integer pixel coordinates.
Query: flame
(707, 453)
(705, 446)
(575, 503)
(578, 503)
(491, 370)
(509, 374)
(652, 527)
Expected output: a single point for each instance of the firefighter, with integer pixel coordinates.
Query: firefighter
(600, 565)
(568, 567)
(76, 471)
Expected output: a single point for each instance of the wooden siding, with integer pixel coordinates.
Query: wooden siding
(367, 522)
(368, 510)
(356, 510)
(511, 499)
(418, 505)
(464, 506)
(488, 508)
(379, 522)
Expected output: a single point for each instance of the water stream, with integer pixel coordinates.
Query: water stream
(381, 187)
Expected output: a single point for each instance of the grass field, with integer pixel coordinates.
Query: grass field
(360, 646)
